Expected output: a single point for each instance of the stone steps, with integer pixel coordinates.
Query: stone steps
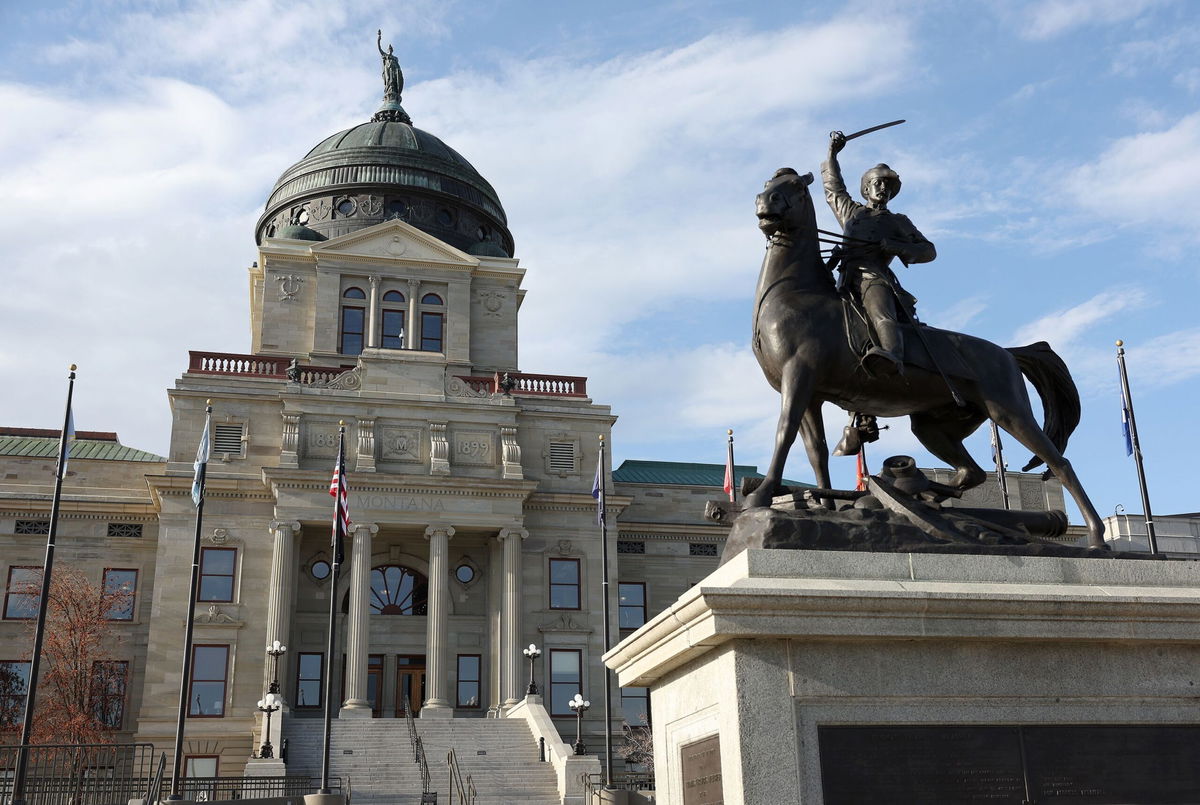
(381, 769)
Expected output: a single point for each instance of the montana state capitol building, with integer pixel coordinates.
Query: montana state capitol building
(385, 294)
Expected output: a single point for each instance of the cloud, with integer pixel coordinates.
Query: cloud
(1051, 18)
(1062, 328)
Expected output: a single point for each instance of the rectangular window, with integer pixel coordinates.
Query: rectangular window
(351, 342)
(133, 530)
(468, 680)
(14, 685)
(120, 592)
(431, 332)
(566, 679)
(310, 667)
(631, 546)
(200, 766)
(632, 596)
(32, 527)
(635, 704)
(393, 329)
(227, 438)
(217, 567)
(210, 669)
(108, 692)
(702, 549)
(24, 589)
(564, 584)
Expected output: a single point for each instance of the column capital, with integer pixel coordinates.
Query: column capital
(373, 279)
(435, 530)
(413, 283)
(513, 531)
(285, 525)
(370, 528)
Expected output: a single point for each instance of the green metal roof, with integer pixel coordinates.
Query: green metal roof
(96, 449)
(682, 473)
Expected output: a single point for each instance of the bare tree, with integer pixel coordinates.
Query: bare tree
(81, 695)
(639, 746)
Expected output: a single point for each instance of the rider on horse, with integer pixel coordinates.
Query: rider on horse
(874, 236)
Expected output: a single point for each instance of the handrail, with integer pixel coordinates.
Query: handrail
(466, 793)
(412, 727)
(418, 749)
(423, 766)
(154, 784)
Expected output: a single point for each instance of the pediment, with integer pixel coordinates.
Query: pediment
(393, 240)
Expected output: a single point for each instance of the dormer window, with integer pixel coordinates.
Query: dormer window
(432, 323)
(392, 308)
(353, 321)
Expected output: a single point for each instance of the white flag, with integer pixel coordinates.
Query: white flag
(202, 454)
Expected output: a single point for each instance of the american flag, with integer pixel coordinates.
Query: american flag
(340, 491)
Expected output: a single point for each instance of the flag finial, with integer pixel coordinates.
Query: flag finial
(601, 437)
(730, 431)
(73, 367)
(1120, 343)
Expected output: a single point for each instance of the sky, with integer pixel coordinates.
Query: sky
(1051, 152)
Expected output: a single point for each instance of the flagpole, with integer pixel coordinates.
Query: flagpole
(1127, 399)
(193, 587)
(608, 747)
(998, 457)
(732, 470)
(337, 543)
(39, 634)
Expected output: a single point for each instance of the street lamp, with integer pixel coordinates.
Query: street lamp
(268, 704)
(275, 651)
(533, 652)
(580, 706)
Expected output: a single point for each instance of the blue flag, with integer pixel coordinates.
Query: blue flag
(1125, 415)
(201, 463)
(598, 488)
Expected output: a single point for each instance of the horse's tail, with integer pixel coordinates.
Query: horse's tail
(1060, 398)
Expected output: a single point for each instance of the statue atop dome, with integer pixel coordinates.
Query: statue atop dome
(393, 76)
(393, 85)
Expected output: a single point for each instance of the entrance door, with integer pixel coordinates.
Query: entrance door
(410, 682)
(375, 684)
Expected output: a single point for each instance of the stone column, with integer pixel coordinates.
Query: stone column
(412, 336)
(373, 313)
(437, 705)
(510, 641)
(358, 625)
(279, 601)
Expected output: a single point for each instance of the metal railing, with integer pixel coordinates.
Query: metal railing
(466, 792)
(155, 785)
(628, 781)
(418, 748)
(225, 788)
(79, 774)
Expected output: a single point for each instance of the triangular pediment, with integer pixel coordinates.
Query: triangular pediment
(394, 240)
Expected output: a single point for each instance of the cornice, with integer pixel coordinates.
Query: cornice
(386, 483)
(576, 502)
(668, 531)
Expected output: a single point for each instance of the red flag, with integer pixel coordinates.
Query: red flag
(340, 490)
(728, 487)
(861, 471)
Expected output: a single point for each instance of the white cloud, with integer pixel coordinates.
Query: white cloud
(1063, 327)
(1051, 18)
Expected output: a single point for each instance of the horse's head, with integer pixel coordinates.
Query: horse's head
(785, 205)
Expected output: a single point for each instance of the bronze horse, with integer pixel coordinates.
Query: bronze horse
(800, 340)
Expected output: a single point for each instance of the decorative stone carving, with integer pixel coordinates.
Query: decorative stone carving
(400, 444)
(564, 546)
(439, 449)
(492, 302)
(289, 454)
(366, 445)
(457, 387)
(320, 210)
(321, 440)
(474, 447)
(371, 205)
(510, 455)
(219, 536)
(563, 623)
(348, 381)
(214, 615)
(289, 286)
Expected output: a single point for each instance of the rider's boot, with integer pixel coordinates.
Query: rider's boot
(887, 358)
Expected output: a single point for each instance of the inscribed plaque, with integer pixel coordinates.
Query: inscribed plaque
(701, 765)
(474, 447)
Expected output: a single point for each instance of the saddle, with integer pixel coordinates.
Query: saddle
(942, 348)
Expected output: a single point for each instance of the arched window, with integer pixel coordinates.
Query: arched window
(398, 590)
(432, 324)
(393, 313)
(353, 322)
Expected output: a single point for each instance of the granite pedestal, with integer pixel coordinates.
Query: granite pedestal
(826, 676)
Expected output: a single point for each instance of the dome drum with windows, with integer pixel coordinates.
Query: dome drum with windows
(382, 170)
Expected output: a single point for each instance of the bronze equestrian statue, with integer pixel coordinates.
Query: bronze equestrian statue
(810, 342)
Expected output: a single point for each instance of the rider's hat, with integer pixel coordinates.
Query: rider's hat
(893, 179)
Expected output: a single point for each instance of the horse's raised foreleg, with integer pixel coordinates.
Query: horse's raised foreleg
(1025, 429)
(795, 394)
(943, 436)
(812, 432)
